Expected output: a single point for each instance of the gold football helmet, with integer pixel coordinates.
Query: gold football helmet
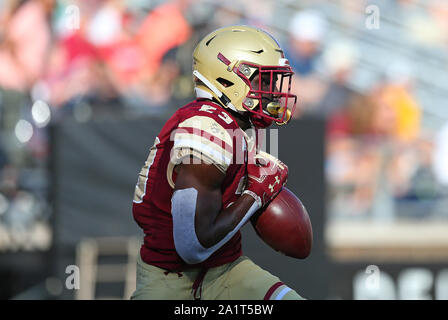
(244, 69)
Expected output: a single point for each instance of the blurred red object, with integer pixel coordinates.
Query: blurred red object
(163, 29)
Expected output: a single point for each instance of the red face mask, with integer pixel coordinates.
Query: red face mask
(271, 87)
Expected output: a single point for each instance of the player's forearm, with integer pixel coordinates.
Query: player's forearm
(199, 212)
(225, 221)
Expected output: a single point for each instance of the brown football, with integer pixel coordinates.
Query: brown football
(285, 225)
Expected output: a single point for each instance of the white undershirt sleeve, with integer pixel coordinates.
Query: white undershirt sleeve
(183, 210)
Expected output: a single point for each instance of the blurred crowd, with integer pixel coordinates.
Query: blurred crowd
(382, 162)
(82, 60)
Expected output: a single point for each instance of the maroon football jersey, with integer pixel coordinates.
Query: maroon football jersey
(207, 131)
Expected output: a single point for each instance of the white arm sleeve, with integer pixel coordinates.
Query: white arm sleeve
(183, 210)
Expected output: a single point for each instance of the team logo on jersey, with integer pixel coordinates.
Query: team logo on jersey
(271, 186)
(215, 128)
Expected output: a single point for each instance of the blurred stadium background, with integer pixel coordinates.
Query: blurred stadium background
(86, 85)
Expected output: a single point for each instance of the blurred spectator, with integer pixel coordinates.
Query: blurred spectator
(163, 29)
(339, 61)
(117, 53)
(154, 89)
(358, 119)
(71, 61)
(389, 110)
(438, 9)
(426, 27)
(155, 78)
(307, 31)
(139, 65)
(397, 92)
(407, 110)
(24, 42)
(105, 26)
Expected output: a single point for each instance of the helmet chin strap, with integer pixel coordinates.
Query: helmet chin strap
(224, 99)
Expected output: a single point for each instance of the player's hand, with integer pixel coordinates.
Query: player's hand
(266, 177)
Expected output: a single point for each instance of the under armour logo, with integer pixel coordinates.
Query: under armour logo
(277, 181)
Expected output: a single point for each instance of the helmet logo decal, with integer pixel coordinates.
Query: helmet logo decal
(283, 62)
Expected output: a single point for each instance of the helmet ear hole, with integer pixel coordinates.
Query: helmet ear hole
(224, 82)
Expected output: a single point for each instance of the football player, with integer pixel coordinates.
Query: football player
(205, 176)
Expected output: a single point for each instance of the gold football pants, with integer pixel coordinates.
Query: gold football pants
(238, 280)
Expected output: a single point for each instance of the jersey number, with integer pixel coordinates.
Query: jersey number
(224, 116)
(140, 188)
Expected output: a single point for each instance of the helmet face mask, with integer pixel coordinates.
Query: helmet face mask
(245, 70)
(269, 94)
